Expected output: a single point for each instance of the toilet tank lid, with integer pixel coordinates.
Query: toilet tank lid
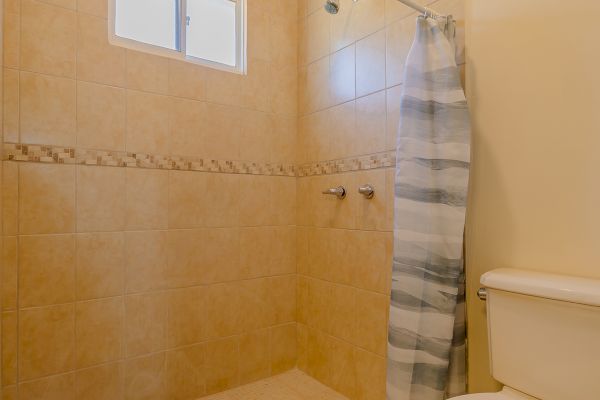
(551, 286)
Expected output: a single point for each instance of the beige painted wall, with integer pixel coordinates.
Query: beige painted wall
(534, 91)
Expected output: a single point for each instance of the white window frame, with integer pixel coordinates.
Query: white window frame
(239, 68)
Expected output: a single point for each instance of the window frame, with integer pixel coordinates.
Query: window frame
(241, 39)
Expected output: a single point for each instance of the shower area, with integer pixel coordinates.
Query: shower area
(165, 231)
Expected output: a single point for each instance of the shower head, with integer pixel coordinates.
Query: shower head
(332, 6)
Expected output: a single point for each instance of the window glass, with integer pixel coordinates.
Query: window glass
(149, 21)
(211, 30)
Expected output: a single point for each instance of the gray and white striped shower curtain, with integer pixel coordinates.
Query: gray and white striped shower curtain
(426, 336)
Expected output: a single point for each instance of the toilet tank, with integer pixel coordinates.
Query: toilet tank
(544, 333)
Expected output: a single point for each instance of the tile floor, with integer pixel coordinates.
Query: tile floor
(292, 385)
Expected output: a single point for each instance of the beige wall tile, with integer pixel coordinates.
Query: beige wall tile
(343, 312)
(255, 136)
(100, 383)
(203, 199)
(371, 123)
(9, 393)
(317, 85)
(223, 309)
(282, 296)
(100, 117)
(259, 40)
(370, 64)
(100, 265)
(257, 195)
(283, 202)
(256, 85)
(186, 311)
(185, 371)
(47, 109)
(372, 372)
(343, 373)
(9, 348)
(9, 273)
(283, 348)
(147, 199)
(146, 260)
(97, 60)
(98, 8)
(393, 96)
(222, 139)
(46, 270)
(46, 341)
(395, 10)
(369, 17)
(147, 123)
(255, 305)
(70, 4)
(342, 75)
(372, 214)
(222, 360)
(284, 141)
(99, 331)
(58, 387)
(11, 105)
(302, 343)
(371, 320)
(319, 356)
(223, 87)
(48, 39)
(187, 127)
(318, 35)
(345, 138)
(12, 34)
(100, 199)
(284, 39)
(145, 323)
(185, 255)
(254, 360)
(373, 259)
(399, 38)
(145, 377)
(147, 72)
(342, 32)
(187, 80)
(10, 198)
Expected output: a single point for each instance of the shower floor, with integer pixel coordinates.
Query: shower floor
(292, 385)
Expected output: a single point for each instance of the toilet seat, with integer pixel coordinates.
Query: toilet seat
(504, 394)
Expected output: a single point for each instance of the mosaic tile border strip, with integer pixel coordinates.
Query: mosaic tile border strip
(360, 163)
(70, 155)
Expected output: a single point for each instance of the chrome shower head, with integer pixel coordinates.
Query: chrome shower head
(332, 6)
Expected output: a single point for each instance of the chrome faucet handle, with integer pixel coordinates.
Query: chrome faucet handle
(367, 190)
(339, 192)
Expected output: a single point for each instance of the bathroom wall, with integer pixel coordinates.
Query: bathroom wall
(149, 210)
(350, 79)
(532, 75)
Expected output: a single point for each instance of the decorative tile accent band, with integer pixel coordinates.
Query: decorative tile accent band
(358, 163)
(69, 155)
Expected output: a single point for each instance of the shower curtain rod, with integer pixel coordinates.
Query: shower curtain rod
(426, 11)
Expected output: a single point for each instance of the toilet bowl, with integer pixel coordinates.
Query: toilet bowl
(543, 336)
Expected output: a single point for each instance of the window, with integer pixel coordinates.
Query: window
(208, 32)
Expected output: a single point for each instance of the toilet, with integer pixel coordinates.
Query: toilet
(544, 336)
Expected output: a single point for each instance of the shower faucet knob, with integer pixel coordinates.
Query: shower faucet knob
(339, 192)
(367, 190)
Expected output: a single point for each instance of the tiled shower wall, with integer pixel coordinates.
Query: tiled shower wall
(350, 80)
(148, 222)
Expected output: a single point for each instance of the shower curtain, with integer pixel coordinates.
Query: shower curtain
(426, 335)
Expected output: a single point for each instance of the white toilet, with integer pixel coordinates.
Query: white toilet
(544, 334)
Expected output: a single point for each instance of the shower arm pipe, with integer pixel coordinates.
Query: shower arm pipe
(422, 9)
